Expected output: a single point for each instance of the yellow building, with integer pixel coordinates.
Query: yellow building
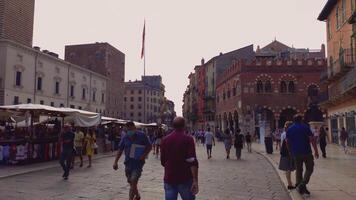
(339, 16)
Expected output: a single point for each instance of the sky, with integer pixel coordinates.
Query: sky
(179, 33)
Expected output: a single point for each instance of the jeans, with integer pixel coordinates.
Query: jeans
(308, 160)
(66, 161)
(184, 190)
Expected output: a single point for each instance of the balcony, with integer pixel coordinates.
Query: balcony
(348, 83)
(344, 64)
(343, 90)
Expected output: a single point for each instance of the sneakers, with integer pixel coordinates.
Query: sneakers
(302, 189)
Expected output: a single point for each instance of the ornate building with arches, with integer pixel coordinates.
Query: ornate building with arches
(270, 91)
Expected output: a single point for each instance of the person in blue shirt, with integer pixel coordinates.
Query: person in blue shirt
(298, 138)
(136, 146)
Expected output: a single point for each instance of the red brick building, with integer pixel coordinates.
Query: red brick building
(16, 20)
(269, 91)
(108, 61)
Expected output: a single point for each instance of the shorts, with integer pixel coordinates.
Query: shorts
(227, 144)
(209, 146)
(133, 175)
(78, 151)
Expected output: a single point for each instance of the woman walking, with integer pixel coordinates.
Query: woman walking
(90, 140)
(344, 135)
(227, 142)
(286, 162)
(322, 141)
(248, 142)
(158, 141)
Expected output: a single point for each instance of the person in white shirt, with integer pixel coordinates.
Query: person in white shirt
(209, 141)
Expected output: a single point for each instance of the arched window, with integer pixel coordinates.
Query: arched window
(283, 88)
(291, 87)
(268, 87)
(259, 87)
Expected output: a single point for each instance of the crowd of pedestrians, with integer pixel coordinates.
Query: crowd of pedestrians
(178, 156)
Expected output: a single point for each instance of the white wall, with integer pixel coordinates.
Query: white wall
(51, 69)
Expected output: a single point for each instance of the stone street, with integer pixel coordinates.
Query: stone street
(252, 178)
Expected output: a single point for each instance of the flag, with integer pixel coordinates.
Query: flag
(143, 40)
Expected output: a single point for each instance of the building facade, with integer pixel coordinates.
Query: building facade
(340, 75)
(104, 59)
(143, 100)
(16, 20)
(200, 112)
(29, 75)
(233, 81)
(265, 93)
(189, 108)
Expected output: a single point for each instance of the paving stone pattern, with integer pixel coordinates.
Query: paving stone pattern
(252, 178)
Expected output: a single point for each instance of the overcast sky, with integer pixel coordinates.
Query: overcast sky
(178, 33)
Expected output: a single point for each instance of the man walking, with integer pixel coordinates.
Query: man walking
(299, 137)
(180, 163)
(209, 141)
(136, 147)
(67, 139)
(238, 143)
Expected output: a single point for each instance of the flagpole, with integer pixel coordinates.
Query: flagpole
(144, 72)
(144, 87)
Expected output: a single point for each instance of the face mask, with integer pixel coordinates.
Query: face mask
(130, 133)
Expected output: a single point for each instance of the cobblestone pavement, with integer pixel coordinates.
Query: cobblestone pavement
(252, 178)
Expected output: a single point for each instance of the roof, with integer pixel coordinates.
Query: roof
(326, 10)
(275, 46)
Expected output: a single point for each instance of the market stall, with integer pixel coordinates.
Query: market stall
(31, 132)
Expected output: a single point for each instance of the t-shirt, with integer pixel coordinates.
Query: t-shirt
(133, 148)
(177, 157)
(298, 138)
(68, 141)
(79, 136)
(209, 138)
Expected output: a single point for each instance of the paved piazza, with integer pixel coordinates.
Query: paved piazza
(252, 178)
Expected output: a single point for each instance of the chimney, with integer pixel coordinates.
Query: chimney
(202, 61)
(53, 54)
(322, 50)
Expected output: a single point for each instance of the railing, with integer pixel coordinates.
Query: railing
(348, 82)
(341, 66)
